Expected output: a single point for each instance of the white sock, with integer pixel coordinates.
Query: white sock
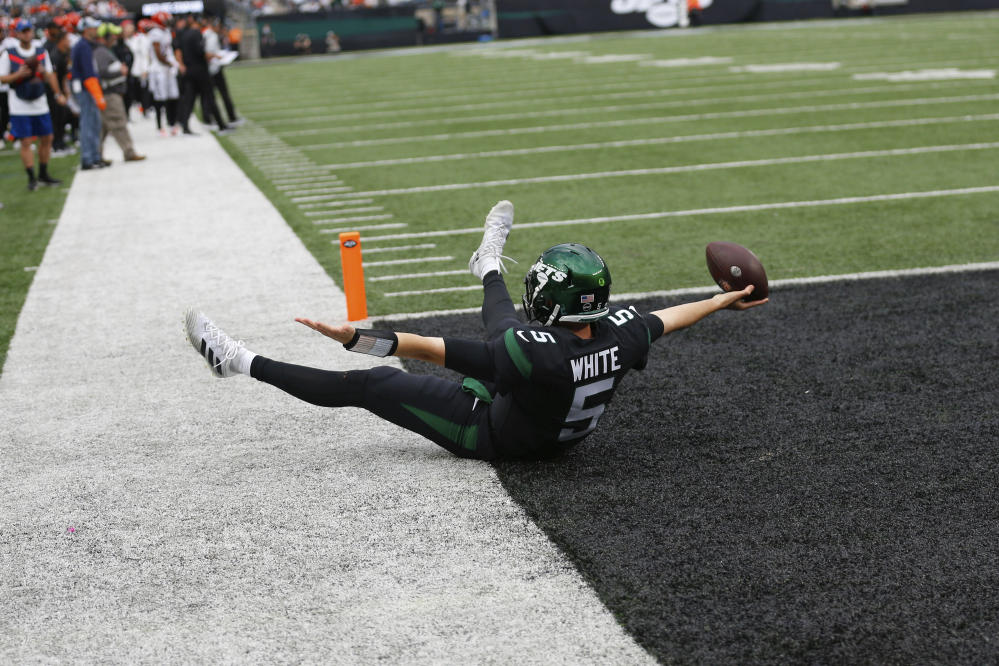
(241, 363)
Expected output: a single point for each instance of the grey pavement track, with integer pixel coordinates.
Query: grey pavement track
(221, 520)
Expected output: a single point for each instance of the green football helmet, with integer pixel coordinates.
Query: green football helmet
(569, 282)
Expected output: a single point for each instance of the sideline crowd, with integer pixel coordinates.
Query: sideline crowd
(70, 80)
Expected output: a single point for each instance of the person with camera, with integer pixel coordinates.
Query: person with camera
(27, 68)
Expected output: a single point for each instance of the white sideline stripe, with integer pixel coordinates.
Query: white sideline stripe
(321, 197)
(442, 290)
(363, 209)
(710, 166)
(367, 227)
(417, 260)
(332, 204)
(286, 185)
(902, 196)
(357, 218)
(399, 248)
(672, 139)
(692, 291)
(787, 67)
(304, 179)
(336, 187)
(407, 276)
(569, 108)
(948, 74)
(746, 113)
(687, 62)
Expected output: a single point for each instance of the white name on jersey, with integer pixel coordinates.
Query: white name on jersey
(597, 363)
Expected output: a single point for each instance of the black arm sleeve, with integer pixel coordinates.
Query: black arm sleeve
(655, 326)
(471, 358)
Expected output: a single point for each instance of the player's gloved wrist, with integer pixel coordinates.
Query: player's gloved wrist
(373, 342)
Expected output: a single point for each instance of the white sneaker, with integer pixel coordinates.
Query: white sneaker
(489, 257)
(212, 342)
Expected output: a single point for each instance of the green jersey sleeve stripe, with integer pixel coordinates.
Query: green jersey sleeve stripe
(517, 354)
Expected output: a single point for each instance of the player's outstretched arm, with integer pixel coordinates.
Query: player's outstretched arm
(408, 345)
(688, 314)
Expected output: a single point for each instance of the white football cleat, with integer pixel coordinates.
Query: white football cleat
(212, 343)
(489, 257)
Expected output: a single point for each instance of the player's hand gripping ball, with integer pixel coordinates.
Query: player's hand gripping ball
(734, 268)
(32, 63)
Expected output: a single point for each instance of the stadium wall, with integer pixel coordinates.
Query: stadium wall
(534, 18)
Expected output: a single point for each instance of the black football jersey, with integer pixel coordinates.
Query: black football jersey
(552, 386)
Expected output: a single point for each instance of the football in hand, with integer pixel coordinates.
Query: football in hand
(734, 268)
(31, 63)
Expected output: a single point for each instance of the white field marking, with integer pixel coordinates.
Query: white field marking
(672, 139)
(787, 67)
(686, 168)
(337, 187)
(687, 62)
(394, 262)
(357, 218)
(366, 227)
(524, 93)
(748, 113)
(399, 248)
(300, 167)
(948, 74)
(441, 290)
(320, 197)
(363, 209)
(693, 291)
(333, 204)
(408, 276)
(291, 182)
(613, 58)
(748, 208)
(577, 105)
(296, 188)
(30, 269)
(558, 55)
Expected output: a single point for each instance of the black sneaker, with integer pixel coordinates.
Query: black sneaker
(32, 185)
(95, 165)
(105, 163)
(49, 181)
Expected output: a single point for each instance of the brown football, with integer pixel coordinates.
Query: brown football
(734, 268)
(31, 63)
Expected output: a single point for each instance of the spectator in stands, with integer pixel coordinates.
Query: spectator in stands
(89, 95)
(114, 79)
(332, 42)
(213, 50)
(26, 68)
(198, 80)
(303, 43)
(267, 41)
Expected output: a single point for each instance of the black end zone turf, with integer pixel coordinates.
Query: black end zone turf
(812, 481)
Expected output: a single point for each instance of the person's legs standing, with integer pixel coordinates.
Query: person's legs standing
(90, 131)
(223, 87)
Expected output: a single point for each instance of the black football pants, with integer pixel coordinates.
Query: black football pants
(445, 412)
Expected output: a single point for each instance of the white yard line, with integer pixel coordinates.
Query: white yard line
(399, 248)
(255, 525)
(411, 260)
(365, 227)
(748, 208)
(409, 276)
(363, 209)
(687, 168)
(333, 204)
(658, 120)
(442, 290)
(696, 291)
(654, 141)
(356, 218)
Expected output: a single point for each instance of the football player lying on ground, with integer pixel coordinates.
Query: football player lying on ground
(531, 391)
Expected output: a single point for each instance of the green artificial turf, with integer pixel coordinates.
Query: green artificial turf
(387, 125)
(27, 220)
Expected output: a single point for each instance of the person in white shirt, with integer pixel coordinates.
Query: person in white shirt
(213, 49)
(26, 68)
(163, 73)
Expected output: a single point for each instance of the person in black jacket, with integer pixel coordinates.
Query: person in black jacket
(198, 82)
